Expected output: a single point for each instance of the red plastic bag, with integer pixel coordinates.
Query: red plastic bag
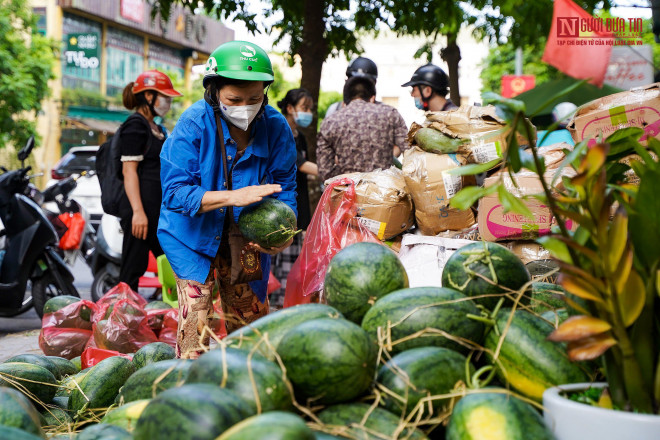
(92, 356)
(333, 227)
(123, 326)
(75, 224)
(76, 315)
(155, 318)
(64, 342)
(273, 283)
(119, 292)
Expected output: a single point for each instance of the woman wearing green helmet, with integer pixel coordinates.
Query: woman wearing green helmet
(260, 162)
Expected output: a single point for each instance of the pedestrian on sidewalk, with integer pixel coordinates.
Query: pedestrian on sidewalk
(430, 86)
(198, 204)
(141, 141)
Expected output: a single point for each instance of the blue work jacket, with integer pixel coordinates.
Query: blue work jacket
(191, 164)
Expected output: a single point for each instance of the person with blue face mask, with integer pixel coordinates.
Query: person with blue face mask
(430, 85)
(227, 151)
(296, 107)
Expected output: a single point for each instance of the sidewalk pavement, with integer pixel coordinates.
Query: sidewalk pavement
(19, 343)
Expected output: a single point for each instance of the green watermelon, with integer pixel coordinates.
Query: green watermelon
(155, 378)
(527, 360)
(501, 267)
(418, 373)
(328, 360)
(349, 420)
(77, 362)
(360, 274)
(126, 416)
(196, 411)
(8, 432)
(17, 411)
(68, 384)
(275, 325)
(546, 296)
(256, 380)
(495, 416)
(56, 417)
(39, 383)
(64, 366)
(157, 305)
(59, 302)
(61, 402)
(37, 359)
(319, 435)
(104, 432)
(410, 311)
(101, 384)
(154, 352)
(270, 223)
(555, 317)
(274, 425)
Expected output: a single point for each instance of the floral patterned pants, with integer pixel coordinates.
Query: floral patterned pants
(240, 306)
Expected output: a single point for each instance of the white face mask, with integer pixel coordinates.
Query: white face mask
(240, 115)
(162, 105)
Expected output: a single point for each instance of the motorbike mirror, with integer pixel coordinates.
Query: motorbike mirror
(26, 150)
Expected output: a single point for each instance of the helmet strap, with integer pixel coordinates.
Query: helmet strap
(425, 100)
(151, 105)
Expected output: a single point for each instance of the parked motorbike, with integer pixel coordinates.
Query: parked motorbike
(106, 259)
(56, 202)
(30, 250)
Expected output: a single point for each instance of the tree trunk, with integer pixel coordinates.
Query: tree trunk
(452, 55)
(313, 52)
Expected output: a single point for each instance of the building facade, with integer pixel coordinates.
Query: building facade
(105, 45)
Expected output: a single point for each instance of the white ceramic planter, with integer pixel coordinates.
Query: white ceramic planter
(570, 420)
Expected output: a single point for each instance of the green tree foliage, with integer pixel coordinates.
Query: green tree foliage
(501, 60)
(26, 62)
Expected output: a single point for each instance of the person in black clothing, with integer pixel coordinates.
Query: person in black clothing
(296, 107)
(141, 140)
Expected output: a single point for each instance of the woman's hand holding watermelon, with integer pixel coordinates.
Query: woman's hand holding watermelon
(273, 250)
(252, 194)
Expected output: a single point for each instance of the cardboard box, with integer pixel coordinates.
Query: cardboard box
(432, 188)
(384, 205)
(496, 225)
(631, 177)
(639, 107)
(480, 126)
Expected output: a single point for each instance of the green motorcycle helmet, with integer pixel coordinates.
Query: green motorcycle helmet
(239, 60)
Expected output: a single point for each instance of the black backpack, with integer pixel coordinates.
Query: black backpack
(109, 166)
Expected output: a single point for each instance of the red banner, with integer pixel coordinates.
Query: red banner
(514, 85)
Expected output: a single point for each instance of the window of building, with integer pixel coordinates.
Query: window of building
(125, 52)
(166, 59)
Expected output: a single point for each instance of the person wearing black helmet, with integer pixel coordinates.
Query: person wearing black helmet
(430, 85)
(361, 66)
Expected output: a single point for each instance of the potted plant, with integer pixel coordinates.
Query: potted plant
(609, 267)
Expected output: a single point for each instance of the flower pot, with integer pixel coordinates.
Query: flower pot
(570, 420)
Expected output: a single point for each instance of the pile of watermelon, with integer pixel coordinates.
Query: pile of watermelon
(381, 360)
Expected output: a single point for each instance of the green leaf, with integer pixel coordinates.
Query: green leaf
(654, 145)
(644, 220)
(632, 133)
(572, 158)
(474, 168)
(466, 197)
(632, 298)
(513, 153)
(557, 248)
(617, 238)
(557, 97)
(513, 203)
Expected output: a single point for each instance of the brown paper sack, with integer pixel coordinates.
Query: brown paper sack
(432, 188)
(485, 131)
(384, 204)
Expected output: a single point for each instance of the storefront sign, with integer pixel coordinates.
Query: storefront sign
(630, 66)
(132, 10)
(514, 85)
(82, 51)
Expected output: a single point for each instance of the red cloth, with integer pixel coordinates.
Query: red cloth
(570, 50)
